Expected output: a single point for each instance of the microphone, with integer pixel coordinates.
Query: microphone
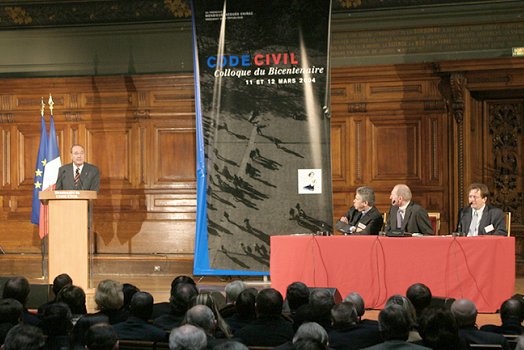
(461, 215)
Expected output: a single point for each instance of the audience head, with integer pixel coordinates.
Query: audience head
(269, 303)
(75, 298)
(406, 305)
(520, 343)
(343, 315)
(297, 294)
(10, 311)
(181, 279)
(187, 337)
(181, 297)
(230, 345)
(56, 319)
(309, 344)
(24, 337)
(465, 312)
(394, 323)
(438, 329)
(208, 300)
(17, 288)
(109, 295)
(321, 300)
(101, 336)
(233, 289)
(511, 309)
(201, 316)
(420, 296)
(141, 305)
(245, 304)
(129, 290)
(311, 330)
(358, 303)
(60, 282)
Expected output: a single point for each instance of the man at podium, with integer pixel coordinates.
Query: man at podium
(78, 175)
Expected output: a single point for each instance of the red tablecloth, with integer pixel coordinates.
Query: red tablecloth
(481, 269)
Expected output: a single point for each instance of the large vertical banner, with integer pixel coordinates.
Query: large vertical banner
(263, 128)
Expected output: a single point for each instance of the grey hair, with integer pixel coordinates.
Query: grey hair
(367, 195)
(187, 337)
(311, 330)
(233, 289)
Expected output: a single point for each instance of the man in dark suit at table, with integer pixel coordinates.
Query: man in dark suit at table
(78, 175)
(480, 218)
(363, 218)
(406, 215)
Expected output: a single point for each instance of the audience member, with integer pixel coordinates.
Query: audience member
(346, 332)
(244, 310)
(75, 298)
(465, 313)
(231, 345)
(109, 299)
(308, 330)
(10, 315)
(101, 337)
(232, 290)
(18, 288)
(317, 310)
(511, 318)
(358, 302)
(24, 337)
(309, 344)
(203, 317)
(187, 337)
(180, 301)
(59, 282)
(297, 294)
(520, 343)
(394, 324)
(164, 308)
(420, 296)
(137, 327)
(439, 329)
(401, 300)
(129, 290)
(57, 326)
(223, 330)
(269, 329)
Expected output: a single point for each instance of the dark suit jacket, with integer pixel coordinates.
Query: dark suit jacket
(89, 178)
(510, 326)
(490, 216)
(353, 337)
(396, 345)
(266, 332)
(372, 221)
(416, 220)
(135, 328)
(473, 336)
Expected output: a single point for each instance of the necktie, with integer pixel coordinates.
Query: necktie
(400, 218)
(77, 177)
(474, 227)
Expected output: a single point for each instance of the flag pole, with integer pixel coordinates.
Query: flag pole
(45, 271)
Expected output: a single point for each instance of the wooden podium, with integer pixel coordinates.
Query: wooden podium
(68, 250)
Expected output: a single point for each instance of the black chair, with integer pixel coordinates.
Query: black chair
(136, 345)
(485, 346)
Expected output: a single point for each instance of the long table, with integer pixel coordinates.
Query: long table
(481, 269)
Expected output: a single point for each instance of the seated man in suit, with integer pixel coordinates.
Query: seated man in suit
(78, 175)
(362, 218)
(480, 218)
(465, 313)
(511, 316)
(406, 215)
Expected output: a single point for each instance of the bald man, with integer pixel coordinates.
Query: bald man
(406, 215)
